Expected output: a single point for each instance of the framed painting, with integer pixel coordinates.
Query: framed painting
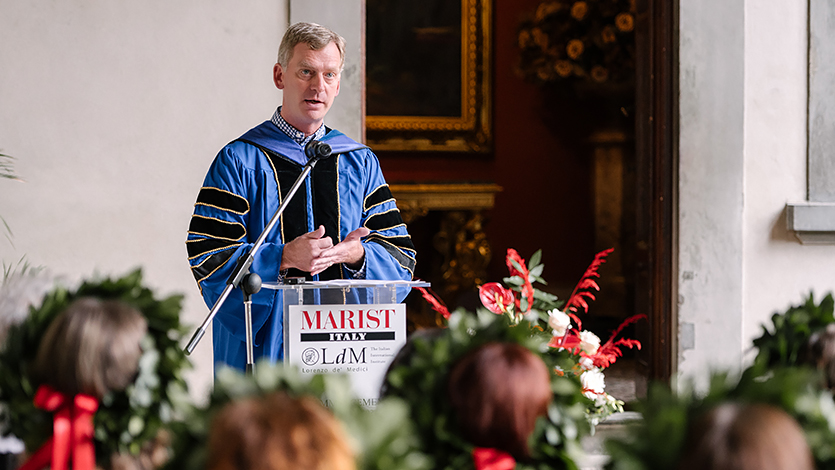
(428, 75)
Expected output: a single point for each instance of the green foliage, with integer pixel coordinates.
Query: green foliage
(420, 380)
(656, 442)
(22, 268)
(384, 438)
(6, 167)
(777, 377)
(7, 172)
(542, 301)
(783, 343)
(125, 420)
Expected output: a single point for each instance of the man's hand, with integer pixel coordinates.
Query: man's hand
(305, 252)
(349, 251)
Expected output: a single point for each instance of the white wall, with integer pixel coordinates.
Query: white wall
(346, 17)
(742, 158)
(778, 270)
(114, 111)
(710, 185)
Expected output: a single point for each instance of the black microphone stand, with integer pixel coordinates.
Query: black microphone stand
(250, 283)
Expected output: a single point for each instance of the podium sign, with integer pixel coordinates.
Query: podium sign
(353, 327)
(360, 340)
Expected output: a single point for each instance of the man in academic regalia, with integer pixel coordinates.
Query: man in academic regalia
(342, 223)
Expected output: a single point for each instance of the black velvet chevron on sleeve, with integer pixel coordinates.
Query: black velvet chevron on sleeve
(384, 220)
(216, 228)
(377, 197)
(211, 263)
(400, 248)
(223, 200)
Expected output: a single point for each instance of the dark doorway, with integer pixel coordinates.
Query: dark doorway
(550, 183)
(656, 137)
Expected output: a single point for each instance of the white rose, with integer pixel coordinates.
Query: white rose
(559, 321)
(589, 342)
(586, 363)
(601, 400)
(593, 383)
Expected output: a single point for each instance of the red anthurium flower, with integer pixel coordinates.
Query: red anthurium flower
(496, 297)
(436, 303)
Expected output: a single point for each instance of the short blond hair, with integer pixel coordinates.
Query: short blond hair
(92, 347)
(316, 36)
(277, 432)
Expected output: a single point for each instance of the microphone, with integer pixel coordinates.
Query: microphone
(317, 149)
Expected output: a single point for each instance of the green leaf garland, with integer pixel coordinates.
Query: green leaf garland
(420, 380)
(125, 420)
(384, 438)
(783, 342)
(656, 441)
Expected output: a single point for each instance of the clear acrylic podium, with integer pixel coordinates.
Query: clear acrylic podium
(353, 327)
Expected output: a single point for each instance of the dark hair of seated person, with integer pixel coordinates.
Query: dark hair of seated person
(278, 432)
(497, 392)
(735, 436)
(820, 353)
(406, 353)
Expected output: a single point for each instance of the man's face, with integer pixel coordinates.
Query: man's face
(310, 83)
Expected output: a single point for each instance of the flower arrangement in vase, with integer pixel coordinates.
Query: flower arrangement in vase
(587, 357)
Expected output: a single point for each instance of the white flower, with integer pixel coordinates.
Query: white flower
(586, 363)
(559, 321)
(593, 383)
(589, 342)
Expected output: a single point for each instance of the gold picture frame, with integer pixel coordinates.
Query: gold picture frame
(413, 103)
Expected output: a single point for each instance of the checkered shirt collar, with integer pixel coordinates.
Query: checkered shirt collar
(294, 133)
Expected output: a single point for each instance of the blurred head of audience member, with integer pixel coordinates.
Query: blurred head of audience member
(406, 354)
(92, 347)
(277, 432)
(820, 353)
(735, 436)
(497, 392)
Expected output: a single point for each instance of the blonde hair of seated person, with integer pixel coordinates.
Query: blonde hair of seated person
(277, 432)
(735, 436)
(92, 347)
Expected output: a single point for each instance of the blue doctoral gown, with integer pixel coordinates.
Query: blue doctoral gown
(243, 189)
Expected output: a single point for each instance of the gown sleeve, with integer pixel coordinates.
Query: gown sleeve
(389, 251)
(223, 227)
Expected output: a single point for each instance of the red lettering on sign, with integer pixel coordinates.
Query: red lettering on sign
(330, 321)
(372, 317)
(349, 318)
(309, 321)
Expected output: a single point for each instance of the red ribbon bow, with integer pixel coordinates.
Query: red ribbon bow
(492, 459)
(72, 432)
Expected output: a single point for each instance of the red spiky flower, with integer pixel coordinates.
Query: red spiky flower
(610, 351)
(583, 291)
(437, 304)
(516, 266)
